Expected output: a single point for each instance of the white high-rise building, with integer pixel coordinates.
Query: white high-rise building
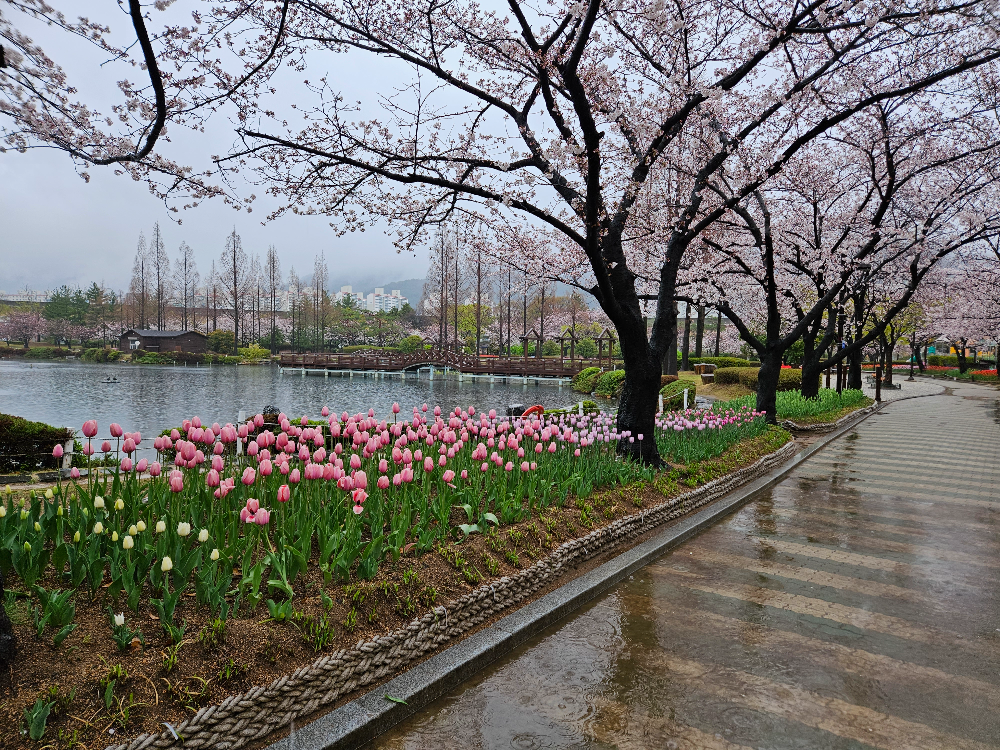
(379, 301)
(346, 292)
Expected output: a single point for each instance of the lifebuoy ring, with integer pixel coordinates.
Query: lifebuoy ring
(536, 409)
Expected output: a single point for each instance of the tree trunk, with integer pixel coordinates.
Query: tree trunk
(686, 346)
(963, 363)
(718, 331)
(854, 370)
(812, 371)
(637, 410)
(670, 358)
(767, 383)
(699, 335)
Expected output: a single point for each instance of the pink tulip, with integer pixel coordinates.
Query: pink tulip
(253, 449)
(577, 453)
(295, 476)
(262, 517)
(397, 479)
(395, 408)
(176, 481)
(325, 411)
(116, 430)
(552, 447)
(141, 466)
(57, 452)
(407, 474)
(249, 476)
(74, 473)
(533, 466)
(383, 466)
(361, 480)
(407, 456)
(485, 466)
(383, 482)
(212, 478)
(154, 469)
(284, 493)
(428, 464)
(359, 496)
(245, 515)
(105, 447)
(355, 461)
(448, 476)
(266, 467)
(129, 445)
(88, 449)
(90, 428)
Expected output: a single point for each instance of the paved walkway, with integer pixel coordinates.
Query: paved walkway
(855, 606)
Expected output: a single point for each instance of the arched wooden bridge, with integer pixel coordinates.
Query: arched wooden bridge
(379, 361)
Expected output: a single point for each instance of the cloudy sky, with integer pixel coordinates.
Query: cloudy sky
(57, 229)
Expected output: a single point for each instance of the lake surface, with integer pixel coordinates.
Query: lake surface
(150, 398)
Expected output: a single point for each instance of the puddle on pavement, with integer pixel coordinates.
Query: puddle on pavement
(790, 625)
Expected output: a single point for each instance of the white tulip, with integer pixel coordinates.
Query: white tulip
(203, 536)
(119, 504)
(127, 542)
(167, 565)
(133, 530)
(98, 502)
(214, 555)
(183, 529)
(98, 528)
(141, 526)
(160, 527)
(119, 620)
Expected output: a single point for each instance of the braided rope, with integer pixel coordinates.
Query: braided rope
(831, 426)
(241, 719)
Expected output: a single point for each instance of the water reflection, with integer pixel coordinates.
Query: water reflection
(149, 398)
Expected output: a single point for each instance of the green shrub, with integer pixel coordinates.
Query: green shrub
(586, 348)
(154, 358)
(673, 394)
(46, 352)
(411, 344)
(101, 355)
(222, 342)
(27, 446)
(610, 384)
(723, 361)
(788, 380)
(586, 380)
(254, 352)
(792, 405)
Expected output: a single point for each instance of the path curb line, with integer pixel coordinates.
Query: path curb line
(368, 716)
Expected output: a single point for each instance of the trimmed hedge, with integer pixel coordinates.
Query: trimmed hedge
(665, 379)
(610, 384)
(788, 380)
(945, 360)
(673, 394)
(27, 446)
(586, 380)
(723, 361)
(101, 355)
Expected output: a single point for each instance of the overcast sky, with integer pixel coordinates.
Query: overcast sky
(57, 229)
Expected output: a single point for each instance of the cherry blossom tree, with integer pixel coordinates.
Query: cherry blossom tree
(561, 120)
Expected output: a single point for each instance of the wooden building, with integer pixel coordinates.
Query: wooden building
(192, 342)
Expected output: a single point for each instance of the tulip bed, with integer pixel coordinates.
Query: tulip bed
(226, 521)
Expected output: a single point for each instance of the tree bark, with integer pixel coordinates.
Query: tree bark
(637, 410)
(767, 383)
(686, 346)
(699, 332)
(963, 362)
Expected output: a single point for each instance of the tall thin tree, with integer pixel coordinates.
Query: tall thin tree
(272, 277)
(233, 281)
(186, 280)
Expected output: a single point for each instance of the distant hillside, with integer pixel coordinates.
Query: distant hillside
(410, 288)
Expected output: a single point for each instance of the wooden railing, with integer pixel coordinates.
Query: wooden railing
(466, 363)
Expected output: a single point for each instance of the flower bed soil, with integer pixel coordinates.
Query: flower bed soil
(150, 692)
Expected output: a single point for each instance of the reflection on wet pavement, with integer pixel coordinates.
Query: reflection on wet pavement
(854, 606)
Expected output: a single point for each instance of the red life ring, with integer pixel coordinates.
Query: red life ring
(536, 409)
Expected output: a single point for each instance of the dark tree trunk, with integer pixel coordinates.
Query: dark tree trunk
(812, 371)
(699, 335)
(686, 346)
(963, 362)
(767, 383)
(718, 331)
(854, 370)
(670, 360)
(920, 359)
(637, 410)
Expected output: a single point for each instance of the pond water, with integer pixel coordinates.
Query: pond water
(150, 398)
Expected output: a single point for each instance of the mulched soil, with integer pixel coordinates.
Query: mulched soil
(149, 691)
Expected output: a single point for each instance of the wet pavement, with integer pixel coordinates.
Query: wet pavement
(856, 605)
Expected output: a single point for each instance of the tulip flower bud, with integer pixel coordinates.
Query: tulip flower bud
(215, 555)
(98, 502)
(49, 494)
(27, 547)
(76, 537)
(119, 504)
(59, 510)
(166, 565)
(203, 536)
(183, 529)
(141, 525)
(160, 527)
(38, 526)
(98, 528)
(114, 536)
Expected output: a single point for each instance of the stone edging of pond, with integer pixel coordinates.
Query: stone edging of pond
(249, 717)
(830, 426)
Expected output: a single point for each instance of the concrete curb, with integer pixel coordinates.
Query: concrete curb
(364, 718)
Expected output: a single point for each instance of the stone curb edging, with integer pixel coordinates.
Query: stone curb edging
(830, 426)
(244, 718)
